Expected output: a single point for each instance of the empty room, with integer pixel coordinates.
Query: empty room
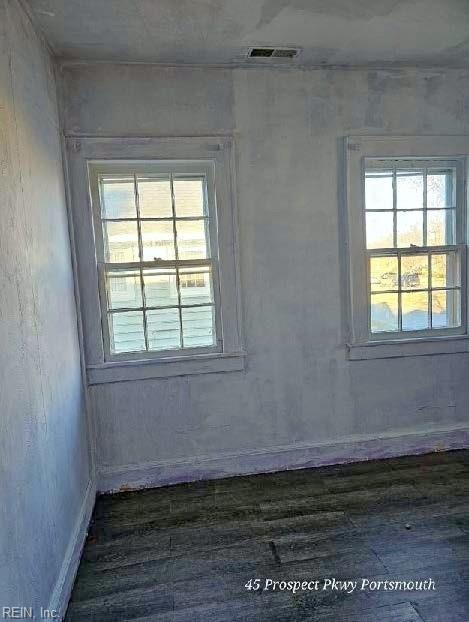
(234, 320)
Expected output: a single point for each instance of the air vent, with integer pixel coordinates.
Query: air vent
(273, 53)
(286, 53)
(261, 52)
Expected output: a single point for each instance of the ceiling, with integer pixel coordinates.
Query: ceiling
(330, 32)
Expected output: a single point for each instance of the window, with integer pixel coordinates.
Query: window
(414, 262)
(156, 255)
(156, 240)
(407, 242)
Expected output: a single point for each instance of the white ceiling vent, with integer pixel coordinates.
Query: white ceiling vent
(264, 52)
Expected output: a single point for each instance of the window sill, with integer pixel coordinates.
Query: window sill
(409, 347)
(125, 371)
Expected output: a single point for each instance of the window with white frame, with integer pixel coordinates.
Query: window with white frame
(413, 256)
(156, 246)
(407, 242)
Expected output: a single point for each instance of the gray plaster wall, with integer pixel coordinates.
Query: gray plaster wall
(44, 458)
(298, 386)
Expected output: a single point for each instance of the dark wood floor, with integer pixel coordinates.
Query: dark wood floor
(185, 553)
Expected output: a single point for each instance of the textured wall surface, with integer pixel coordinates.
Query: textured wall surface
(44, 462)
(298, 386)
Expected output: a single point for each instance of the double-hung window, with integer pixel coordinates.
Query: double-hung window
(407, 243)
(413, 256)
(155, 231)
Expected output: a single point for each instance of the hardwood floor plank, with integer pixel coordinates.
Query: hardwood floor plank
(441, 609)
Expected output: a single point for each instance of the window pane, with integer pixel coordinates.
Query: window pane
(196, 285)
(414, 271)
(191, 239)
(415, 310)
(126, 331)
(198, 326)
(383, 273)
(189, 197)
(446, 307)
(124, 289)
(440, 227)
(441, 188)
(160, 287)
(118, 197)
(154, 198)
(409, 189)
(378, 190)
(379, 230)
(409, 229)
(121, 241)
(163, 327)
(384, 316)
(157, 240)
(445, 270)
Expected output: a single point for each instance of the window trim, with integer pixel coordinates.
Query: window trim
(361, 344)
(216, 152)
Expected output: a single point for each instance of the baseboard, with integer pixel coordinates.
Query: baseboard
(280, 458)
(63, 587)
